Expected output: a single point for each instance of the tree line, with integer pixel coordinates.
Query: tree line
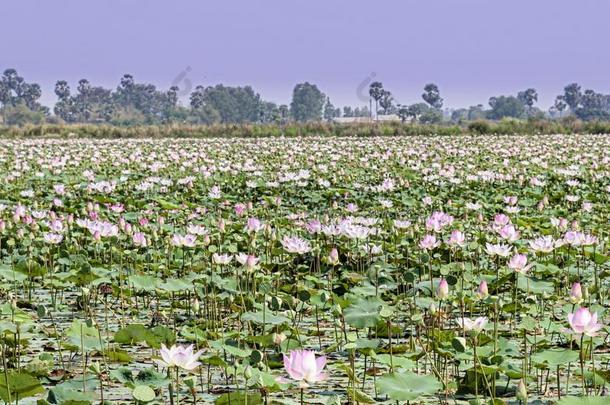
(135, 103)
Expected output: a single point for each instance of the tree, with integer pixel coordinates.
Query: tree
(506, 106)
(269, 112)
(593, 106)
(21, 114)
(329, 110)
(376, 92)
(386, 102)
(307, 102)
(415, 111)
(459, 115)
(234, 104)
(64, 108)
(572, 95)
(528, 97)
(348, 112)
(15, 91)
(403, 112)
(476, 112)
(560, 105)
(431, 116)
(432, 96)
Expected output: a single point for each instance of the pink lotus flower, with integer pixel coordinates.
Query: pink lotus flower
(442, 290)
(519, 263)
(333, 257)
(179, 356)
(221, 258)
(457, 238)
(497, 250)
(501, 220)
(303, 366)
(482, 291)
(544, 244)
(239, 209)
(294, 244)
(139, 239)
(254, 225)
(476, 325)
(576, 293)
(248, 261)
(429, 242)
(509, 233)
(583, 322)
(183, 241)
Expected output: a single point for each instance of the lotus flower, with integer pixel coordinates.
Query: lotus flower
(442, 291)
(179, 356)
(457, 238)
(221, 258)
(476, 325)
(519, 263)
(482, 291)
(295, 244)
(583, 322)
(576, 293)
(429, 242)
(303, 366)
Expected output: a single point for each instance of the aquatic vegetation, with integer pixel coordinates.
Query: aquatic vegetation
(318, 269)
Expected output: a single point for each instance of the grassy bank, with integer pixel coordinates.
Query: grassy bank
(504, 127)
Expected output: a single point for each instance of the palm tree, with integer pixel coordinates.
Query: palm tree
(376, 92)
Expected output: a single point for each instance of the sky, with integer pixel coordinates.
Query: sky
(472, 49)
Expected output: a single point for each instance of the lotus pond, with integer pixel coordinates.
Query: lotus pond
(305, 270)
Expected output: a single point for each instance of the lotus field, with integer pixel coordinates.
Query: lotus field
(428, 270)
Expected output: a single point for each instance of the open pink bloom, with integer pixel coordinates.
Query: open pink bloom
(509, 233)
(500, 220)
(429, 242)
(457, 238)
(303, 366)
(519, 263)
(139, 239)
(249, 261)
(477, 324)
(583, 322)
(294, 244)
(179, 356)
(254, 225)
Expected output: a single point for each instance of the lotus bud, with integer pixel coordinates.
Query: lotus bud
(576, 295)
(522, 391)
(221, 225)
(333, 257)
(482, 291)
(442, 290)
(196, 305)
(278, 338)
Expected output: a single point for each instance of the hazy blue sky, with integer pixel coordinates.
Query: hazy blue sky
(472, 49)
